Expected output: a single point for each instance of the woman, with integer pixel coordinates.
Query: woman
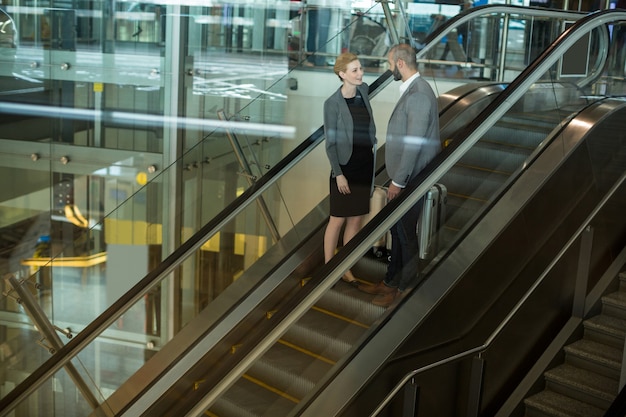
(350, 146)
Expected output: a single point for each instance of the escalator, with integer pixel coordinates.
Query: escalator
(280, 378)
(326, 337)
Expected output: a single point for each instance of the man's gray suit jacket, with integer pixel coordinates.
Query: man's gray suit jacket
(413, 133)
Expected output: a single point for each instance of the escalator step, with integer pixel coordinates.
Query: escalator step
(351, 305)
(472, 182)
(324, 335)
(289, 369)
(491, 157)
(247, 399)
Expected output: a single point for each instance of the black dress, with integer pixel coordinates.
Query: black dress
(359, 170)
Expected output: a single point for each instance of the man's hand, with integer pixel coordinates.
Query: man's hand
(393, 191)
(342, 184)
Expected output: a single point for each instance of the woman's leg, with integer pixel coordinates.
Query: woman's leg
(353, 225)
(331, 236)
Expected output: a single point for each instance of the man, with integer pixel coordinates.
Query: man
(318, 27)
(412, 142)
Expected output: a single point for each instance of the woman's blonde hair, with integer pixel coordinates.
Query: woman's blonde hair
(342, 61)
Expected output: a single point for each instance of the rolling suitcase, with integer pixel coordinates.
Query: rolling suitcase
(377, 202)
(430, 221)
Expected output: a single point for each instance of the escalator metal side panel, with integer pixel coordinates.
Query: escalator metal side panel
(369, 373)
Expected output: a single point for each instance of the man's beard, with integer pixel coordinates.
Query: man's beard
(396, 74)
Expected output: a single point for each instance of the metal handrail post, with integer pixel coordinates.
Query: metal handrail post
(477, 376)
(391, 23)
(243, 162)
(582, 272)
(503, 47)
(411, 399)
(48, 330)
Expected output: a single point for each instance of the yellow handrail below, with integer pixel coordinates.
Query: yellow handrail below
(70, 261)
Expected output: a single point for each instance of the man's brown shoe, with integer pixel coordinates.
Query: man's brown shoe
(385, 300)
(379, 288)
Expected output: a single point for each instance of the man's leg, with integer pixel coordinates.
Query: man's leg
(322, 35)
(388, 289)
(390, 283)
(312, 29)
(409, 246)
(392, 276)
(406, 270)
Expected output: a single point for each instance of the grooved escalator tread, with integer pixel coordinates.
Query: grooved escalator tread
(325, 335)
(348, 303)
(304, 355)
(505, 141)
(290, 369)
(460, 210)
(473, 183)
(536, 120)
(248, 399)
(495, 158)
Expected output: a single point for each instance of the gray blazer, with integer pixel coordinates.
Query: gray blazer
(413, 133)
(339, 129)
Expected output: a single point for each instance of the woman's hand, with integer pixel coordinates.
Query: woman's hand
(342, 184)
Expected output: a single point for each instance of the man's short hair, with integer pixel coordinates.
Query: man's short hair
(406, 53)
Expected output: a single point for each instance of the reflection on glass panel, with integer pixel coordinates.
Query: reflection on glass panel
(60, 396)
(492, 46)
(8, 31)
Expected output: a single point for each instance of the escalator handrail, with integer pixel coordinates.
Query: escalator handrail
(464, 17)
(518, 306)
